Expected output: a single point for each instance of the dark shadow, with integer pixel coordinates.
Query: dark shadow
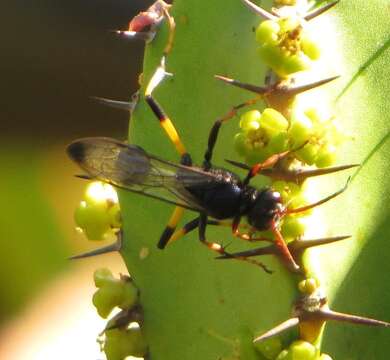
(366, 292)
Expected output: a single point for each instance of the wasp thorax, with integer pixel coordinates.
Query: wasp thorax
(266, 207)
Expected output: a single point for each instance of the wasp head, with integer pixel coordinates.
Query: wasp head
(267, 207)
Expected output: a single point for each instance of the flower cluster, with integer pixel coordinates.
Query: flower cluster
(98, 214)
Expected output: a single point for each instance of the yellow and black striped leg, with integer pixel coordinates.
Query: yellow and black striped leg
(190, 226)
(171, 227)
(214, 132)
(173, 135)
(163, 118)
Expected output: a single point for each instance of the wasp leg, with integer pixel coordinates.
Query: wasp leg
(267, 163)
(245, 236)
(173, 135)
(214, 132)
(283, 249)
(171, 227)
(163, 118)
(190, 226)
(250, 238)
(219, 248)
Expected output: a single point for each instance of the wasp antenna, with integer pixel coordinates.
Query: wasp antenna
(253, 88)
(297, 245)
(284, 326)
(135, 35)
(328, 314)
(295, 90)
(84, 177)
(116, 246)
(238, 164)
(313, 14)
(122, 105)
(322, 201)
(259, 11)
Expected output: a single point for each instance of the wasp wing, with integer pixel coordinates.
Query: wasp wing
(131, 168)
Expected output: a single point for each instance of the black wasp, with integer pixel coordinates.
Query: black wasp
(215, 193)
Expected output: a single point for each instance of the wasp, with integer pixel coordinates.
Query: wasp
(215, 193)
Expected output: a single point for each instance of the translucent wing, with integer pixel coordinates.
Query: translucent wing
(129, 167)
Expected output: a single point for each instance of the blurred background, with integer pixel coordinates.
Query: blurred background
(55, 55)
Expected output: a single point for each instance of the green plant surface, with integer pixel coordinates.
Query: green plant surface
(355, 272)
(200, 308)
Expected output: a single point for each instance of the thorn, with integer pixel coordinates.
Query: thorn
(328, 314)
(276, 89)
(295, 175)
(253, 88)
(313, 14)
(294, 246)
(135, 35)
(300, 175)
(295, 90)
(122, 105)
(259, 11)
(84, 177)
(298, 245)
(288, 324)
(124, 318)
(116, 246)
